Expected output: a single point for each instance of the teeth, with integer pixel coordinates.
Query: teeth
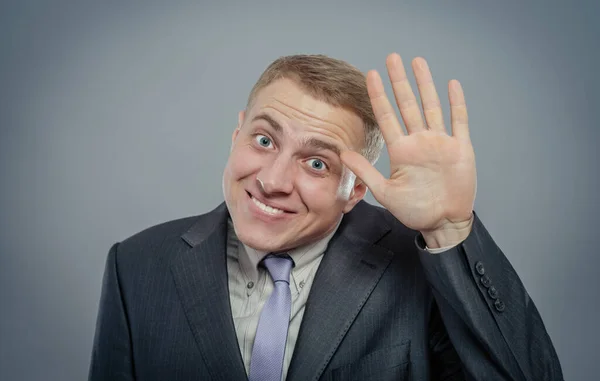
(266, 208)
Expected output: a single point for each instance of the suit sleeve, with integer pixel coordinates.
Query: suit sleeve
(489, 317)
(111, 352)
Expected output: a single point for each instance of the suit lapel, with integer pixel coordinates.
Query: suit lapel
(348, 273)
(200, 275)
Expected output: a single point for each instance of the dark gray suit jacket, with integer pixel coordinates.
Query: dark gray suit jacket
(380, 308)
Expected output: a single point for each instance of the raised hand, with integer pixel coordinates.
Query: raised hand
(432, 184)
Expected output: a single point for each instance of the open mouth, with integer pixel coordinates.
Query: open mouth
(266, 208)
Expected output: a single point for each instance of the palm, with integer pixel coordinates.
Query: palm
(430, 180)
(433, 179)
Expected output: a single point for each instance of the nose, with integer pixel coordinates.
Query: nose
(277, 177)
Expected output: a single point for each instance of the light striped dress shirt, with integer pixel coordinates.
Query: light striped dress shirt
(250, 286)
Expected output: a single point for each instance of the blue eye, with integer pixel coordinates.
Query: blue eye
(263, 140)
(317, 164)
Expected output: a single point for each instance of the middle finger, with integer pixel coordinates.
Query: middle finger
(432, 108)
(405, 98)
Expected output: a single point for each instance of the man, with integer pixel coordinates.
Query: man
(295, 277)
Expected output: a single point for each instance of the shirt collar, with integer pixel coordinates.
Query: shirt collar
(303, 256)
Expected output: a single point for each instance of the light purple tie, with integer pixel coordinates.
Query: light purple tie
(266, 363)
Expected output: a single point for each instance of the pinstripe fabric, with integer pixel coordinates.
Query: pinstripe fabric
(380, 308)
(507, 336)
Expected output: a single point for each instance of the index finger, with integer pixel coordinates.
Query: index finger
(383, 110)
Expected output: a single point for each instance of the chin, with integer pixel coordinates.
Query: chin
(258, 241)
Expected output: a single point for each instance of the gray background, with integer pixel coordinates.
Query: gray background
(115, 117)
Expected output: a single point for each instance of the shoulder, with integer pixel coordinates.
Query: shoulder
(159, 242)
(371, 220)
(159, 233)
(365, 215)
(381, 228)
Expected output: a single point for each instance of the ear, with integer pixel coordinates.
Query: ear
(241, 116)
(358, 193)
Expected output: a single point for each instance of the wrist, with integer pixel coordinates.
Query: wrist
(451, 234)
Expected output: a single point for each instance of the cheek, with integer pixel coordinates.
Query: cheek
(320, 195)
(242, 162)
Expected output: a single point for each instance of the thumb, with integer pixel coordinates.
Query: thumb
(365, 171)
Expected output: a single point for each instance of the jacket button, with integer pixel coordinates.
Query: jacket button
(486, 281)
(479, 268)
(499, 304)
(493, 292)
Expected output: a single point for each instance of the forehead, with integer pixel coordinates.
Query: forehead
(287, 102)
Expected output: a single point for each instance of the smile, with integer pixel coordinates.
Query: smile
(266, 208)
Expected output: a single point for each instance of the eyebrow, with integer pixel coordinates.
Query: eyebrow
(317, 144)
(312, 142)
(275, 124)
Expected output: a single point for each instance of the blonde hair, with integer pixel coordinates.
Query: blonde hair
(332, 81)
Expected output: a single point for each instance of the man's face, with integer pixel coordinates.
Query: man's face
(284, 183)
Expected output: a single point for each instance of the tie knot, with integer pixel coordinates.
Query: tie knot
(279, 266)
